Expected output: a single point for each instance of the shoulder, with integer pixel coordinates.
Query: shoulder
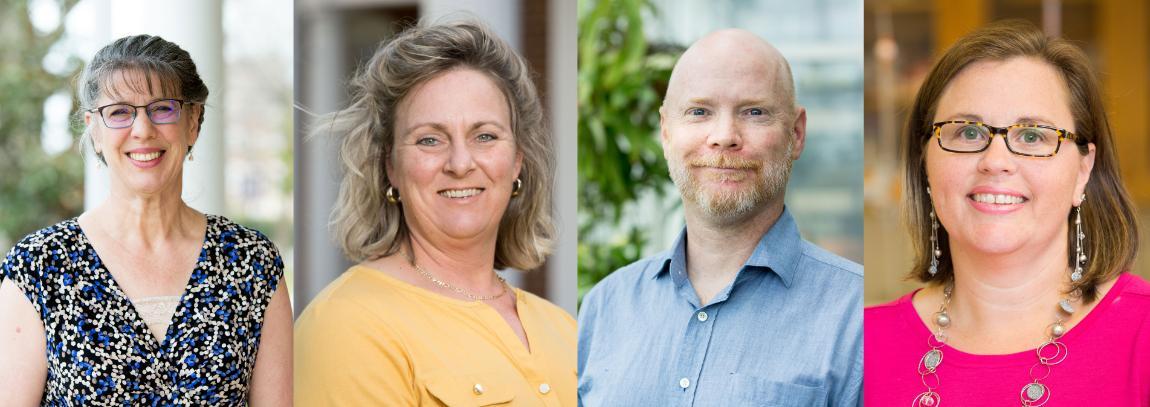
(546, 308)
(359, 294)
(822, 259)
(628, 277)
(42, 247)
(231, 234)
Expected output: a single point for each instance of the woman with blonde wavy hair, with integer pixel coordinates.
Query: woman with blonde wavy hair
(448, 168)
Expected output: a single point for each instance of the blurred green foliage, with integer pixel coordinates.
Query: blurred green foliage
(36, 189)
(622, 78)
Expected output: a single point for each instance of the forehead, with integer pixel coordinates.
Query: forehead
(456, 94)
(137, 85)
(724, 77)
(1003, 91)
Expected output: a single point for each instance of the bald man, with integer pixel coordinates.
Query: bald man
(741, 311)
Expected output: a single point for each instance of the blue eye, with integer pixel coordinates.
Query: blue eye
(427, 141)
(486, 137)
(696, 111)
(755, 112)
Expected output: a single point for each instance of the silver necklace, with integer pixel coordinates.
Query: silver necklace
(1033, 394)
(458, 290)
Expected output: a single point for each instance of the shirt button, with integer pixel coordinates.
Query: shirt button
(684, 382)
(702, 316)
(544, 388)
(478, 389)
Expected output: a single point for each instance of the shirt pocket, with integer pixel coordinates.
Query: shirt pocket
(470, 390)
(757, 391)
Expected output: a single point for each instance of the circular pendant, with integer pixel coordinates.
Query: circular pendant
(1035, 394)
(926, 399)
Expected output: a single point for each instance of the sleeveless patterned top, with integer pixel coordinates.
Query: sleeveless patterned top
(99, 348)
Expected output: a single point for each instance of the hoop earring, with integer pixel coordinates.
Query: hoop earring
(1079, 255)
(935, 252)
(516, 187)
(392, 196)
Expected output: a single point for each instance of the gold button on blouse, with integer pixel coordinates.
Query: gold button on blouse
(478, 389)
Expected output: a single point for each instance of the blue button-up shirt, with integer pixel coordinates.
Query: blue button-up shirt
(786, 332)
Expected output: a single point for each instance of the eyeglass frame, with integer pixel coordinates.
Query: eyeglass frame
(100, 111)
(1063, 134)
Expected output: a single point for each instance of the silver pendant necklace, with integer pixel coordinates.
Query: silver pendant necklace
(1033, 394)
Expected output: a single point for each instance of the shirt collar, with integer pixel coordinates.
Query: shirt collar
(778, 251)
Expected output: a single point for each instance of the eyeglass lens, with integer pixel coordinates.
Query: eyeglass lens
(123, 115)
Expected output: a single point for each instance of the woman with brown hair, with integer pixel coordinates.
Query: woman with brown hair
(448, 170)
(1024, 243)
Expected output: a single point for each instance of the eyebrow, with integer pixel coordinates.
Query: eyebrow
(1019, 120)
(443, 128)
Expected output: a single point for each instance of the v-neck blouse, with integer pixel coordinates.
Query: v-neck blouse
(100, 350)
(369, 339)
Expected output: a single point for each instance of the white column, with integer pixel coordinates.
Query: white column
(322, 74)
(197, 27)
(501, 15)
(562, 284)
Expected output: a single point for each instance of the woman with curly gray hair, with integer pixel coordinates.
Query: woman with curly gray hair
(448, 168)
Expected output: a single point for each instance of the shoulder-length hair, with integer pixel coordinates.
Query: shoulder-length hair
(1107, 214)
(364, 223)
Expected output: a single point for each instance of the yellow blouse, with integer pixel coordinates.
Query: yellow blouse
(371, 340)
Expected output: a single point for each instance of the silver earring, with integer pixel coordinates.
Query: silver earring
(516, 186)
(1079, 255)
(392, 196)
(935, 252)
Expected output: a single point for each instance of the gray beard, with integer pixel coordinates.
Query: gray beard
(768, 185)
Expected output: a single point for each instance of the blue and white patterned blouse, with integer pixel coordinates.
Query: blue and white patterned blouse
(99, 349)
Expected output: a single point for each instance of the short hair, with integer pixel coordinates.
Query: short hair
(1107, 214)
(363, 222)
(142, 54)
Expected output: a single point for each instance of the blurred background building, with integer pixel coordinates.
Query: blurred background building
(629, 208)
(905, 37)
(336, 37)
(242, 50)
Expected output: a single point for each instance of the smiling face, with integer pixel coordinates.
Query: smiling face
(996, 202)
(146, 158)
(455, 158)
(730, 129)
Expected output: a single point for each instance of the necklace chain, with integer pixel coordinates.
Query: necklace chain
(459, 290)
(1033, 394)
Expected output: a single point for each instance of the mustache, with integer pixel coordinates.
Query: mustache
(725, 162)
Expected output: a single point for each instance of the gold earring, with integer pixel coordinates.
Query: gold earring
(516, 187)
(392, 196)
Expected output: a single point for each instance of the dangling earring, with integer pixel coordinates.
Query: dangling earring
(935, 252)
(1079, 255)
(191, 157)
(392, 196)
(516, 186)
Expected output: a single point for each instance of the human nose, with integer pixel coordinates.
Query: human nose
(142, 126)
(997, 158)
(725, 133)
(461, 160)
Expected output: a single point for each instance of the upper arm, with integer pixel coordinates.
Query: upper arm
(271, 383)
(23, 360)
(346, 356)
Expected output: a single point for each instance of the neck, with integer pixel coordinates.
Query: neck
(717, 249)
(468, 265)
(145, 221)
(1004, 302)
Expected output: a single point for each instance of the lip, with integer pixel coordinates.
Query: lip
(999, 194)
(145, 151)
(461, 194)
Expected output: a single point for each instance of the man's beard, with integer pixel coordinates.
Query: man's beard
(767, 183)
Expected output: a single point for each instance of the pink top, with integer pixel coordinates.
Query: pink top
(1108, 362)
